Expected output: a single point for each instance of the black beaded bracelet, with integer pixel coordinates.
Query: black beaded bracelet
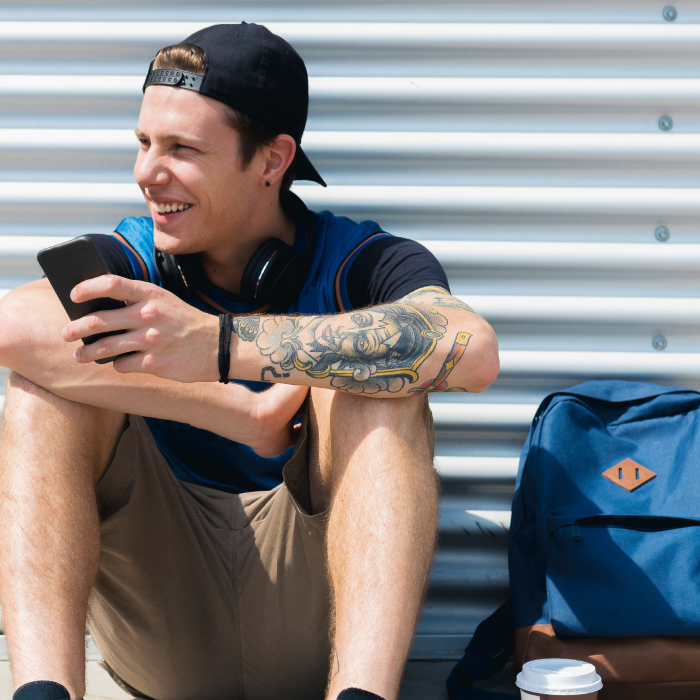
(225, 327)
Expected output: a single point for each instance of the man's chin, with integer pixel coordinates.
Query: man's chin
(172, 244)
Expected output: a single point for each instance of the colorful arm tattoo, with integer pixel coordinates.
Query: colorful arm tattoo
(374, 350)
(453, 357)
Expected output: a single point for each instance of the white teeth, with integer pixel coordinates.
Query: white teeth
(167, 208)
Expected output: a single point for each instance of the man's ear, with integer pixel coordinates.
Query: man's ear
(278, 157)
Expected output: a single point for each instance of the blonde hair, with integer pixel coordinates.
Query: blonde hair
(182, 57)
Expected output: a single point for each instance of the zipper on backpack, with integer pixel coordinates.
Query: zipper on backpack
(575, 531)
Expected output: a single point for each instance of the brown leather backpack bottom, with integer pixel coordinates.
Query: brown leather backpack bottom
(632, 668)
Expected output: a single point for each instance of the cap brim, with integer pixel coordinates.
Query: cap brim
(305, 170)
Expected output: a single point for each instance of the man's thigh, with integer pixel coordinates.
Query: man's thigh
(206, 594)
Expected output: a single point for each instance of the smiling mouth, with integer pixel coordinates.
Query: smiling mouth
(162, 208)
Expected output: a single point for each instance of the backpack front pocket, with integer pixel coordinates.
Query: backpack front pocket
(624, 576)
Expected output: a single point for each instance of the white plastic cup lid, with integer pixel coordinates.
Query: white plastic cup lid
(558, 677)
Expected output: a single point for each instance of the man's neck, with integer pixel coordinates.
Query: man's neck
(224, 266)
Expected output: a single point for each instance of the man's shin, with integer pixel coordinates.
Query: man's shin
(376, 459)
(49, 529)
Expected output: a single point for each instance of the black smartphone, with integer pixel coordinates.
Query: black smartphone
(67, 265)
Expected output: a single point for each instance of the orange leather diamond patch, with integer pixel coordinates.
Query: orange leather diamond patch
(629, 475)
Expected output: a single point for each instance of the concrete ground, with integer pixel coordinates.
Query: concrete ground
(424, 680)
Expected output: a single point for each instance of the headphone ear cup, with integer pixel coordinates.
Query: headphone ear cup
(191, 271)
(180, 275)
(286, 284)
(263, 269)
(169, 273)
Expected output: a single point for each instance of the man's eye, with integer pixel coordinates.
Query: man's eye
(360, 320)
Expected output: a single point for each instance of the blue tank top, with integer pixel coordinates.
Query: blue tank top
(199, 456)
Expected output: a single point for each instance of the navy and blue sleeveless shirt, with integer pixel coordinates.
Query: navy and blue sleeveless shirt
(355, 265)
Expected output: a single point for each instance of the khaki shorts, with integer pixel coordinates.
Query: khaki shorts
(207, 595)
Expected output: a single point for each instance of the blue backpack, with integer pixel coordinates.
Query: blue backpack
(604, 548)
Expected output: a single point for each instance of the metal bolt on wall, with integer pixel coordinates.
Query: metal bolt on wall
(659, 342)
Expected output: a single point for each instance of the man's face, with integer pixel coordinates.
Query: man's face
(364, 339)
(189, 161)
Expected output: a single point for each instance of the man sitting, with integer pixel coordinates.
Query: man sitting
(217, 562)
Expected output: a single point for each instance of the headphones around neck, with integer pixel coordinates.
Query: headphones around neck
(274, 275)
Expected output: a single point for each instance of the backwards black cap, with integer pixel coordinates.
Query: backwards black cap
(256, 72)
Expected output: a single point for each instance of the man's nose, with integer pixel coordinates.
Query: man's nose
(151, 169)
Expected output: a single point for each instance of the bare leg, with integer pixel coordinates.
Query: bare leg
(52, 453)
(372, 463)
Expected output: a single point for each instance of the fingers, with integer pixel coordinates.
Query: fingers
(170, 338)
(111, 346)
(276, 442)
(283, 401)
(101, 322)
(288, 398)
(113, 286)
(132, 350)
(287, 393)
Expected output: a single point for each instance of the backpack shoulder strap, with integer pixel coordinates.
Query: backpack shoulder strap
(487, 653)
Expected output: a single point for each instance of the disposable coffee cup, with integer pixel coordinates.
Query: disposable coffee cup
(547, 679)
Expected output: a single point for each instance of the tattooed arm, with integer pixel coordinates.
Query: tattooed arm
(428, 341)
(411, 346)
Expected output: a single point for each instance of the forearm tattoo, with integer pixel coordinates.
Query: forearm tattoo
(453, 357)
(436, 296)
(366, 352)
(246, 327)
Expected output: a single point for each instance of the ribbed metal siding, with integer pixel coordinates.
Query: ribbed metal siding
(519, 141)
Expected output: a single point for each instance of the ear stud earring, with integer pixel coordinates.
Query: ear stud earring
(267, 183)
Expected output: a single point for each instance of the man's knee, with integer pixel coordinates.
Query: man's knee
(34, 416)
(13, 322)
(341, 422)
(26, 401)
(394, 435)
(409, 417)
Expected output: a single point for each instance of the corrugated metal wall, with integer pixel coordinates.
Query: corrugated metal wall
(546, 151)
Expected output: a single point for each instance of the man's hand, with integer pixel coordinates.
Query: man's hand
(168, 337)
(275, 411)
